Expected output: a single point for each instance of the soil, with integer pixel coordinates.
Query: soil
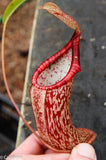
(17, 41)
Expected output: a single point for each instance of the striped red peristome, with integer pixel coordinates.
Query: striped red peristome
(75, 64)
(51, 90)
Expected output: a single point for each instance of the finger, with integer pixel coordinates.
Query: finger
(48, 151)
(31, 145)
(56, 156)
(83, 151)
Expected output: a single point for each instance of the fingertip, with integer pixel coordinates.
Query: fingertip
(84, 150)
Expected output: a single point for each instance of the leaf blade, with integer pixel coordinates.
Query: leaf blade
(11, 8)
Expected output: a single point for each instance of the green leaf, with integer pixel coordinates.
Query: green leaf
(1, 18)
(11, 8)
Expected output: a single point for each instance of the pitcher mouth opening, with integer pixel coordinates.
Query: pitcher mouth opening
(59, 68)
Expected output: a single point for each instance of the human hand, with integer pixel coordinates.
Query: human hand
(33, 149)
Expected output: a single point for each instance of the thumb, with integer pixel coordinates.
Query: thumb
(83, 151)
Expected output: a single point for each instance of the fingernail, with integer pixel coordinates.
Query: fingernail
(12, 157)
(86, 150)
